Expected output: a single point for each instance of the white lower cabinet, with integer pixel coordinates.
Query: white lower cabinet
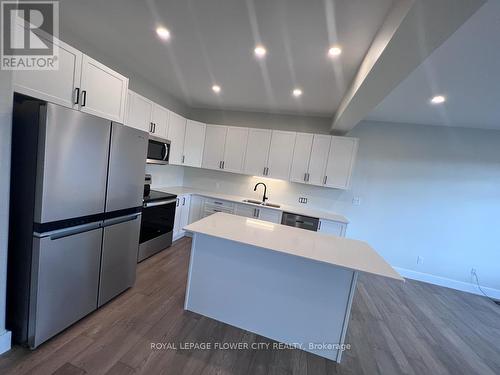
(332, 227)
(265, 214)
(195, 208)
(212, 206)
(181, 215)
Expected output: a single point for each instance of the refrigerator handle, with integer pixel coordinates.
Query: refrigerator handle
(65, 232)
(121, 219)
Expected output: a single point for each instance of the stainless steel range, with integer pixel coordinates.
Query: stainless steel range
(157, 226)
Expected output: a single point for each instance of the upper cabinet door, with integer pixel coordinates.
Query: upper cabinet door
(234, 151)
(139, 112)
(340, 162)
(213, 153)
(257, 151)
(301, 155)
(281, 154)
(193, 143)
(159, 121)
(176, 133)
(318, 159)
(103, 91)
(55, 86)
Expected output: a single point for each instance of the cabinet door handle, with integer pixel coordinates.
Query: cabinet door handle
(154, 127)
(220, 165)
(77, 95)
(223, 164)
(257, 212)
(305, 177)
(177, 202)
(325, 179)
(319, 225)
(308, 175)
(183, 201)
(183, 157)
(84, 98)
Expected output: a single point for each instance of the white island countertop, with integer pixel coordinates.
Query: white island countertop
(352, 254)
(180, 190)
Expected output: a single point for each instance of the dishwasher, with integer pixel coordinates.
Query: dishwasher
(300, 221)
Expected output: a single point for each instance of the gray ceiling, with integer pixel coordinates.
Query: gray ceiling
(465, 69)
(213, 41)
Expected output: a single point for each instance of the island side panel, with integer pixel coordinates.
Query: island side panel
(289, 299)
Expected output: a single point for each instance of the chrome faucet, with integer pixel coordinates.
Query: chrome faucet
(264, 197)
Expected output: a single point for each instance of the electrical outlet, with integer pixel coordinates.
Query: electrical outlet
(356, 201)
(420, 260)
(303, 200)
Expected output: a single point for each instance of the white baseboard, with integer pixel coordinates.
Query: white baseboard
(5, 340)
(449, 283)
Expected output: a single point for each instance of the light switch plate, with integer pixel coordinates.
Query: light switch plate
(303, 200)
(356, 201)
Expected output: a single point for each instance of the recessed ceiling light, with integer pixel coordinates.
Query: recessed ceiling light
(216, 89)
(260, 51)
(438, 99)
(297, 92)
(163, 32)
(334, 51)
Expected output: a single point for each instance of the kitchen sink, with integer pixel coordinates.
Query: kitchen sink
(261, 204)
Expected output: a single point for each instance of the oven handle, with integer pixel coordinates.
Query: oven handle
(159, 203)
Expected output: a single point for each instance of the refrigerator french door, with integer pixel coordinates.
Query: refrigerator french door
(122, 224)
(65, 175)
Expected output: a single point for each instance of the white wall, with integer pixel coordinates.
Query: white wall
(166, 175)
(5, 142)
(425, 191)
(433, 192)
(307, 124)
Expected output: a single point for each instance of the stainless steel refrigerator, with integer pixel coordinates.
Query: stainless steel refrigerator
(75, 209)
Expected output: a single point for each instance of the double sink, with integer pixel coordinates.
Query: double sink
(260, 203)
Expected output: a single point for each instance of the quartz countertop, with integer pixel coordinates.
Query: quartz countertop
(180, 190)
(338, 251)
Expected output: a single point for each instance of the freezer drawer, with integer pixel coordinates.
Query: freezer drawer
(65, 281)
(119, 256)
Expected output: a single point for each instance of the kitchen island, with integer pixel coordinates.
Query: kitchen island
(287, 284)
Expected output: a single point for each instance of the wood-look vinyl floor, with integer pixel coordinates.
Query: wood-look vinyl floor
(395, 328)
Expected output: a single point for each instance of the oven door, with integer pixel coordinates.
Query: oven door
(158, 151)
(157, 219)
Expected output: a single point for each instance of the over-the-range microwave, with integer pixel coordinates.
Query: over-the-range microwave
(158, 150)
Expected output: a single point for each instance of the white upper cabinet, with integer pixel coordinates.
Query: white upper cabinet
(318, 159)
(215, 140)
(234, 150)
(103, 91)
(159, 121)
(80, 82)
(139, 111)
(193, 143)
(340, 162)
(257, 151)
(280, 154)
(55, 86)
(176, 133)
(301, 156)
